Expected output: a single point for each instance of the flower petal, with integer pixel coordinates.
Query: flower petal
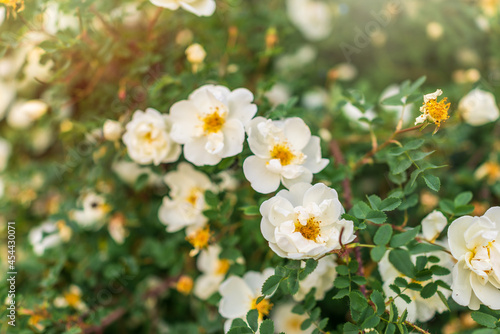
(240, 105)
(196, 153)
(234, 136)
(200, 7)
(487, 294)
(456, 233)
(297, 133)
(461, 287)
(236, 298)
(261, 179)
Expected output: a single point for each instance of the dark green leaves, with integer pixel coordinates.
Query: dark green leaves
(401, 260)
(271, 285)
(484, 319)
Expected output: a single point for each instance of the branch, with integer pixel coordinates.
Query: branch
(112, 317)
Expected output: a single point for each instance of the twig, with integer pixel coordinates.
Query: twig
(112, 317)
(415, 327)
(376, 149)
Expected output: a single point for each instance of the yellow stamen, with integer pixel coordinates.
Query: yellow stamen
(283, 153)
(184, 285)
(263, 307)
(193, 196)
(310, 231)
(213, 122)
(438, 111)
(73, 299)
(200, 238)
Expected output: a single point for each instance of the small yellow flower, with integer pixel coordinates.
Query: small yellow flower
(184, 285)
(432, 110)
(490, 170)
(199, 239)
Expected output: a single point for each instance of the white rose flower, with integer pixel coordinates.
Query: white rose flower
(433, 224)
(284, 152)
(478, 107)
(419, 309)
(239, 295)
(71, 298)
(48, 235)
(211, 123)
(184, 207)
(315, 98)
(94, 211)
(304, 55)
(304, 222)
(129, 172)
(285, 321)
(313, 18)
(5, 150)
(148, 139)
(197, 7)
(476, 275)
(321, 278)
(213, 271)
(278, 94)
(54, 20)
(195, 53)
(24, 113)
(112, 130)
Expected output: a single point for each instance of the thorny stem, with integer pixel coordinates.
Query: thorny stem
(415, 327)
(376, 149)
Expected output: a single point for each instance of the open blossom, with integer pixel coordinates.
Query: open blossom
(321, 278)
(213, 271)
(24, 113)
(129, 172)
(48, 235)
(284, 152)
(478, 107)
(476, 275)
(211, 123)
(304, 222)
(71, 298)
(197, 7)
(313, 18)
(93, 212)
(185, 204)
(239, 295)
(432, 110)
(148, 138)
(285, 321)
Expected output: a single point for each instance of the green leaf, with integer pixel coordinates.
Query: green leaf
(395, 100)
(484, 319)
(383, 235)
(293, 282)
(322, 324)
(463, 210)
(251, 210)
(421, 262)
(414, 144)
(447, 206)
(342, 270)
(267, 327)
(401, 165)
(306, 324)
(401, 282)
(271, 284)
(371, 322)
(311, 264)
(463, 198)
(358, 301)
(374, 201)
(432, 182)
(405, 237)
(253, 319)
(378, 299)
(359, 280)
(141, 182)
(211, 199)
(443, 299)
(419, 155)
(429, 290)
(389, 204)
(298, 309)
(341, 294)
(341, 282)
(390, 329)
(424, 248)
(377, 253)
(360, 210)
(393, 312)
(439, 271)
(415, 85)
(238, 326)
(350, 328)
(401, 260)
(378, 217)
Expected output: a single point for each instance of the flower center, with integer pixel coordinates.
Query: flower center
(193, 196)
(222, 267)
(283, 153)
(263, 307)
(310, 231)
(437, 110)
(184, 285)
(213, 122)
(72, 299)
(200, 238)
